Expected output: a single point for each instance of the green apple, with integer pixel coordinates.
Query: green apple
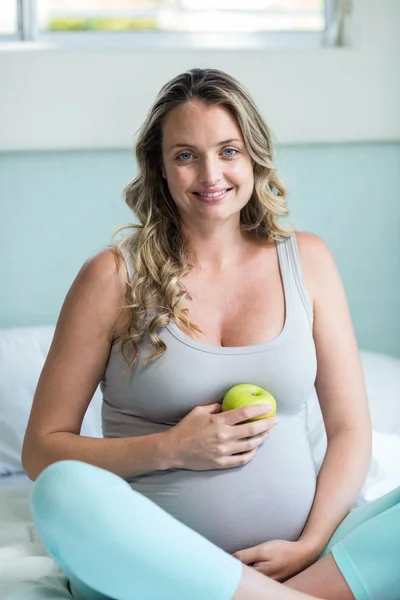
(245, 394)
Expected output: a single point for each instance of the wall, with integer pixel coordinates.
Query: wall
(80, 98)
(57, 208)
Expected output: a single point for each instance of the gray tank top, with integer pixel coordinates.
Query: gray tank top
(236, 508)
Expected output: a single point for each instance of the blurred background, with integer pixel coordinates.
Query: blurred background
(78, 77)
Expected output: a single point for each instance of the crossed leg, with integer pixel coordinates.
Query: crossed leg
(113, 543)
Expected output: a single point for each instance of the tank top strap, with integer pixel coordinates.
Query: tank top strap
(127, 260)
(289, 261)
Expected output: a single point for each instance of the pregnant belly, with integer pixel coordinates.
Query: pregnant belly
(269, 498)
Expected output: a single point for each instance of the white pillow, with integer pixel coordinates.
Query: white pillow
(382, 378)
(23, 351)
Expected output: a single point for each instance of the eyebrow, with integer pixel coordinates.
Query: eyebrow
(182, 145)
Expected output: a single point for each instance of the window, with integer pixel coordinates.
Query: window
(8, 19)
(183, 15)
(255, 21)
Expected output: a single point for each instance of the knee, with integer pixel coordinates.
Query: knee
(72, 487)
(57, 488)
(61, 471)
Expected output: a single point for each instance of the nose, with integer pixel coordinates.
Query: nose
(209, 171)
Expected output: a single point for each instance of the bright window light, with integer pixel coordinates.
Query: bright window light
(208, 16)
(8, 17)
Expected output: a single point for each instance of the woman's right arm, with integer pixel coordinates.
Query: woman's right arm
(90, 316)
(72, 371)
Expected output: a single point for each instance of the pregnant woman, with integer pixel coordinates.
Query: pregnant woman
(179, 500)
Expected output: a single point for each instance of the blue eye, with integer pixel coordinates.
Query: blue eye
(184, 154)
(230, 150)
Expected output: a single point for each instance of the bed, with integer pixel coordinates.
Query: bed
(26, 570)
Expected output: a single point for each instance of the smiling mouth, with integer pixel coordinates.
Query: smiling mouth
(212, 195)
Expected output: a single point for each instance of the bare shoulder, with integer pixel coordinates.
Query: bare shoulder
(105, 270)
(104, 267)
(317, 261)
(312, 247)
(99, 289)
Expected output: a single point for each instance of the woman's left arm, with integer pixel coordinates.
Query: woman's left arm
(342, 395)
(343, 399)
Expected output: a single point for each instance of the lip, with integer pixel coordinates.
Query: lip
(212, 200)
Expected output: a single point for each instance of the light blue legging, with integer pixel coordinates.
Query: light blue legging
(112, 542)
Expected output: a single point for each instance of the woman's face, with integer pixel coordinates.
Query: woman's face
(208, 169)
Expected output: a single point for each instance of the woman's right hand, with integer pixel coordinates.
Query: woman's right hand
(207, 438)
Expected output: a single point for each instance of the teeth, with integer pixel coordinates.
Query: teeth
(214, 195)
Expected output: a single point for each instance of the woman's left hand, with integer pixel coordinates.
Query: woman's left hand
(279, 559)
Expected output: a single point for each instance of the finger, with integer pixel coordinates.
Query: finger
(265, 568)
(249, 555)
(212, 408)
(237, 460)
(255, 428)
(238, 415)
(261, 566)
(249, 444)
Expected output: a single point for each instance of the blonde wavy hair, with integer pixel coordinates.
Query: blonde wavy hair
(157, 250)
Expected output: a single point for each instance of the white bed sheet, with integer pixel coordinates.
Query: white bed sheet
(26, 570)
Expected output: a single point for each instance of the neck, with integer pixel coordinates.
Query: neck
(217, 248)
